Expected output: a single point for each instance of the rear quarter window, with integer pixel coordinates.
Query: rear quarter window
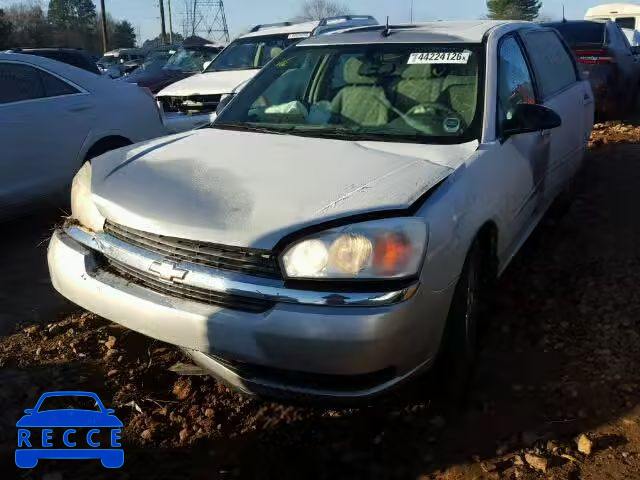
(553, 65)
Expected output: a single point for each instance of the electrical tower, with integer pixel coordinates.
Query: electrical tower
(205, 18)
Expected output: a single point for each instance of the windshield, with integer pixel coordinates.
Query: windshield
(190, 59)
(156, 60)
(253, 52)
(108, 60)
(421, 93)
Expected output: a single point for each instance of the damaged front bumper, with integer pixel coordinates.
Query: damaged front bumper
(319, 344)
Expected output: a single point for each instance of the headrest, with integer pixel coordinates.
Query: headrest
(352, 75)
(417, 72)
(275, 51)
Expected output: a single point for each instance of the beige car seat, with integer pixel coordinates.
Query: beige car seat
(361, 101)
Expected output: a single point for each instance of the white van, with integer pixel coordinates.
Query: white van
(627, 15)
(192, 102)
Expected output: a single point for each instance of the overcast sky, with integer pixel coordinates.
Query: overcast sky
(144, 14)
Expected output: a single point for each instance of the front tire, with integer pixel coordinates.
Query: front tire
(460, 339)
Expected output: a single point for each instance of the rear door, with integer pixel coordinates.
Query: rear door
(560, 88)
(41, 132)
(627, 62)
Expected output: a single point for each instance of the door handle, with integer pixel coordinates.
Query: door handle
(545, 133)
(587, 100)
(80, 108)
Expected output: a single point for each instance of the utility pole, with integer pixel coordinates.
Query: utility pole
(163, 30)
(411, 11)
(170, 24)
(105, 35)
(195, 9)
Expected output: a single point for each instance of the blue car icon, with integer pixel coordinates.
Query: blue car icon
(39, 429)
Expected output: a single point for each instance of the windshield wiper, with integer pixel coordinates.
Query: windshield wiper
(247, 127)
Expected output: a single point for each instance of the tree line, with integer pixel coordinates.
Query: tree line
(65, 23)
(76, 24)
(497, 9)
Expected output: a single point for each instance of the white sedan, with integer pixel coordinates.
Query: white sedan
(54, 117)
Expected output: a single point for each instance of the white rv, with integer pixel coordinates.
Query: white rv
(627, 15)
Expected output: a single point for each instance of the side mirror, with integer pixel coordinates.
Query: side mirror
(635, 50)
(109, 411)
(528, 118)
(29, 411)
(224, 102)
(205, 65)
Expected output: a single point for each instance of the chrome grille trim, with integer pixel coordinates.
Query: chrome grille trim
(186, 292)
(234, 283)
(249, 261)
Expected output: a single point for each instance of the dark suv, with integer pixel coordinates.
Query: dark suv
(77, 58)
(606, 59)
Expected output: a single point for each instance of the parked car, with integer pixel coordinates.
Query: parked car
(193, 102)
(365, 188)
(606, 59)
(54, 117)
(185, 62)
(76, 57)
(112, 64)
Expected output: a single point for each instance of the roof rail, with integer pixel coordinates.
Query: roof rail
(270, 25)
(334, 24)
(344, 18)
(373, 28)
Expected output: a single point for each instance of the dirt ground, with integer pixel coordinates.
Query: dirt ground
(560, 361)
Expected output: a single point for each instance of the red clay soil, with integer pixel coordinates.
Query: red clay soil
(560, 361)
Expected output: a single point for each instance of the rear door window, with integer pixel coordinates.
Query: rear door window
(553, 66)
(19, 83)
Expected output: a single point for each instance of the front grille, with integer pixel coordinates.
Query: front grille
(193, 104)
(261, 263)
(186, 292)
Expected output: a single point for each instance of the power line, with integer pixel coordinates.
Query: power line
(205, 18)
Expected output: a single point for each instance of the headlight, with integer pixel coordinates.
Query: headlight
(392, 248)
(82, 207)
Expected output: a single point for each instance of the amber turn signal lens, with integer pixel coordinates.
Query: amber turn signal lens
(392, 252)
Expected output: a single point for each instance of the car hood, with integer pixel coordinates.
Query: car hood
(210, 83)
(156, 79)
(69, 418)
(251, 189)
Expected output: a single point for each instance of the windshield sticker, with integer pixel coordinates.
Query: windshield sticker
(439, 58)
(298, 35)
(451, 125)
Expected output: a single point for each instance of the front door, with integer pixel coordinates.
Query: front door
(526, 155)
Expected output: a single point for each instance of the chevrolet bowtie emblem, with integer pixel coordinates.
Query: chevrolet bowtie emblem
(168, 271)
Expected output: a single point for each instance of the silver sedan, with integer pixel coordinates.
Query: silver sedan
(331, 234)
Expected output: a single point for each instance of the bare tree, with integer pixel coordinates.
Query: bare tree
(319, 9)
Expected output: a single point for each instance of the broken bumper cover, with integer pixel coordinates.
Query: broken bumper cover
(292, 349)
(177, 122)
